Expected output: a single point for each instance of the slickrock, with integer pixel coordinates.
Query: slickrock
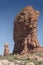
(6, 62)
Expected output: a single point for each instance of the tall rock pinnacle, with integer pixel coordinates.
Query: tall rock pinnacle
(25, 31)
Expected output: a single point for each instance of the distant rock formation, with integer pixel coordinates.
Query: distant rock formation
(25, 31)
(6, 49)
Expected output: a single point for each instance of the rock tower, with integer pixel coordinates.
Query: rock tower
(6, 49)
(25, 31)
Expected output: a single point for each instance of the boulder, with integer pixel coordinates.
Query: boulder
(6, 62)
(30, 63)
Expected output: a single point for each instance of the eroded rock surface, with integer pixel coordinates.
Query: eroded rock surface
(25, 31)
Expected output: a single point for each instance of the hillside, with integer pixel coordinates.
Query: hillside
(27, 59)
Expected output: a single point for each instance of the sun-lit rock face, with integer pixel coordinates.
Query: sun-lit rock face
(25, 30)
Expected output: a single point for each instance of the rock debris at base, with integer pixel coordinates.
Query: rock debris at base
(6, 62)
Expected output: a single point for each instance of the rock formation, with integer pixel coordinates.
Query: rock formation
(6, 49)
(25, 31)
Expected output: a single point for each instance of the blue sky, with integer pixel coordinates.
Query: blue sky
(8, 11)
